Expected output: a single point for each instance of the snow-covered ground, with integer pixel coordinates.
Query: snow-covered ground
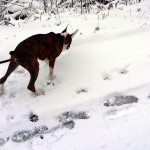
(112, 61)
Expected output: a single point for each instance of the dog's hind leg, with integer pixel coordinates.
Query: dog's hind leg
(33, 78)
(33, 69)
(12, 66)
(51, 66)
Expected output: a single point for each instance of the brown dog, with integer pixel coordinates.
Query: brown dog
(40, 46)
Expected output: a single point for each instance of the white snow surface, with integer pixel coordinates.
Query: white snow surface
(121, 45)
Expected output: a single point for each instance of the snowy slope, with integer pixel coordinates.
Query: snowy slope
(114, 60)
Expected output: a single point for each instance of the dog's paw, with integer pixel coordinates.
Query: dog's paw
(39, 92)
(52, 77)
(1, 88)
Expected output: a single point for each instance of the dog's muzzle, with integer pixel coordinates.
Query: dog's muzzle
(66, 46)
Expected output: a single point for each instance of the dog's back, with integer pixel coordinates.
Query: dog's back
(41, 46)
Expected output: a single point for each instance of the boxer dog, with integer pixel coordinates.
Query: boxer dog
(40, 46)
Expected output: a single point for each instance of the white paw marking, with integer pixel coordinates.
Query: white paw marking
(40, 92)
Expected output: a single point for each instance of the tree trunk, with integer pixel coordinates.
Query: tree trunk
(85, 3)
(72, 3)
(45, 6)
(81, 7)
(57, 7)
(51, 1)
(0, 10)
(88, 6)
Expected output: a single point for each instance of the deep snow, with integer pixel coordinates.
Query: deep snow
(114, 60)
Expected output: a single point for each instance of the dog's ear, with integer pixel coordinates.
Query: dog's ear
(73, 34)
(65, 30)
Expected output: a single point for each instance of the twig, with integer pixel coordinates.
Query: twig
(6, 22)
(130, 12)
(40, 16)
(16, 4)
(98, 21)
(142, 15)
(143, 25)
(18, 24)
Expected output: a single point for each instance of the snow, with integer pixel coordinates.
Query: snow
(114, 60)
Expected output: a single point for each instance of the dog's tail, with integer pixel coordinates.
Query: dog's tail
(11, 53)
(4, 61)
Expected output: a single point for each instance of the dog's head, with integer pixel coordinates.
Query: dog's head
(67, 38)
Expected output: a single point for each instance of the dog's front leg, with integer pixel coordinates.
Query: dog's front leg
(51, 74)
(51, 66)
